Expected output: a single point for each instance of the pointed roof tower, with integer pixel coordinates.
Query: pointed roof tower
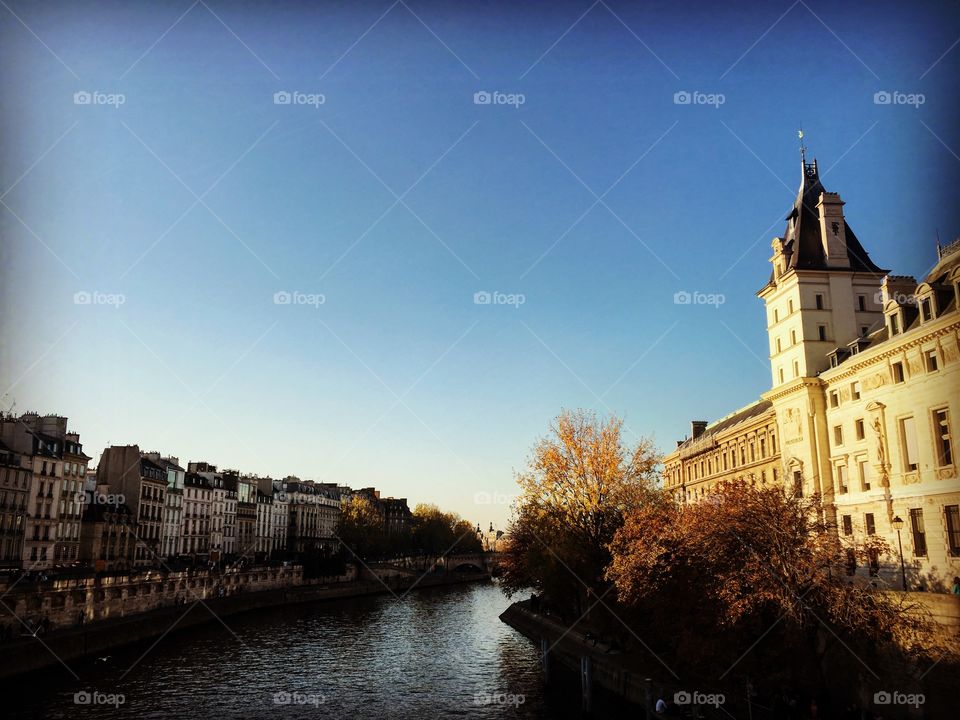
(817, 236)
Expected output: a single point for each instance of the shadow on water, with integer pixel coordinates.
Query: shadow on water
(437, 653)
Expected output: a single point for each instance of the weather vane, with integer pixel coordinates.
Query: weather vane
(803, 149)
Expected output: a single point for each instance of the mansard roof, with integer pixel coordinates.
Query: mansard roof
(803, 244)
(735, 418)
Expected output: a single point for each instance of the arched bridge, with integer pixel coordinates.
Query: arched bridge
(481, 561)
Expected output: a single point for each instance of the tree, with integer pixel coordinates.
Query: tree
(436, 532)
(361, 527)
(580, 481)
(712, 577)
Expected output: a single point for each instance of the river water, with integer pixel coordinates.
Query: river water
(431, 654)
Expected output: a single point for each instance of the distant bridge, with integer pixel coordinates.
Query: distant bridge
(482, 561)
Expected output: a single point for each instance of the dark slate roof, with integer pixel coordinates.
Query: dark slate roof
(747, 413)
(802, 236)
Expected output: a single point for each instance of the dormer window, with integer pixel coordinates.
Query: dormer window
(926, 310)
(895, 324)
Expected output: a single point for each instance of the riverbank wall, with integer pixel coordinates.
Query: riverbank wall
(29, 653)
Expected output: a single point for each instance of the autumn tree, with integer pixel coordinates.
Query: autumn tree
(580, 482)
(436, 532)
(361, 527)
(711, 578)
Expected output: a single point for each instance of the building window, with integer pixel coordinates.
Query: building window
(796, 368)
(894, 324)
(862, 303)
(952, 513)
(793, 337)
(855, 390)
(835, 399)
(864, 330)
(908, 443)
(925, 309)
(781, 374)
(838, 435)
(847, 525)
(873, 557)
(821, 332)
(897, 372)
(916, 529)
(841, 479)
(851, 562)
(864, 467)
(776, 315)
(930, 360)
(819, 300)
(858, 426)
(790, 307)
(941, 430)
(869, 524)
(797, 484)
(778, 345)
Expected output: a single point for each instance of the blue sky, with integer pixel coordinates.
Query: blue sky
(198, 199)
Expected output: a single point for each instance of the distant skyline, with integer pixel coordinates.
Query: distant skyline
(263, 235)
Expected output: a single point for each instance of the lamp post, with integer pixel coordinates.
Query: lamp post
(897, 523)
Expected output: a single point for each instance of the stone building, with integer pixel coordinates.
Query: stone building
(197, 514)
(15, 476)
(864, 396)
(142, 484)
(55, 502)
(107, 535)
(314, 516)
(172, 506)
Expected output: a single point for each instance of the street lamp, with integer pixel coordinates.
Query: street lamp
(897, 523)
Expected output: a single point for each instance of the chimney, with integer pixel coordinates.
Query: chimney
(696, 428)
(833, 230)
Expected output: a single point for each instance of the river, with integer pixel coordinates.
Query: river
(430, 654)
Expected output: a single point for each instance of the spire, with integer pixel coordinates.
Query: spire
(803, 150)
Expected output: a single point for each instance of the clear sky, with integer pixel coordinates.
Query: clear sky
(584, 187)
